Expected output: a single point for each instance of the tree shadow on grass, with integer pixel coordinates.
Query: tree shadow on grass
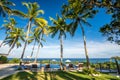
(45, 76)
(52, 75)
(22, 76)
(69, 76)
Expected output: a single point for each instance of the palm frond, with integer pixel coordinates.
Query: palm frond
(19, 13)
(74, 27)
(40, 12)
(8, 3)
(85, 22)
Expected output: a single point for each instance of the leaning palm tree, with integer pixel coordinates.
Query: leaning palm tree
(33, 12)
(8, 26)
(40, 31)
(34, 38)
(4, 7)
(78, 12)
(60, 29)
(14, 38)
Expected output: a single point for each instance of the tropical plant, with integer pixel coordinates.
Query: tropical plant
(78, 12)
(59, 27)
(8, 26)
(40, 31)
(31, 15)
(14, 38)
(4, 7)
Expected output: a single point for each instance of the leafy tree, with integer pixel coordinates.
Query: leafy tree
(112, 29)
(78, 12)
(3, 59)
(59, 27)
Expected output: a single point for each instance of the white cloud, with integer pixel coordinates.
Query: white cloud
(71, 49)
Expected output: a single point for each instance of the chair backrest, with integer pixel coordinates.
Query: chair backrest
(70, 65)
(34, 65)
(80, 65)
(47, 66)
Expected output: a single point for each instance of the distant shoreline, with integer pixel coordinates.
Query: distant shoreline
(92, 60)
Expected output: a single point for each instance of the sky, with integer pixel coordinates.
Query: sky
(97, 45)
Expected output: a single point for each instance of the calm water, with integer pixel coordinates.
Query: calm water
(92, 60)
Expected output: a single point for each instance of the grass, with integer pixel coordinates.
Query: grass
(60, 75)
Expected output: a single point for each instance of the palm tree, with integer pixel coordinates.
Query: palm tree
(60, 29)
(4, 7)
(14, 38)
(40, 31)
(33, 12)
(78, 12)
(8, 26)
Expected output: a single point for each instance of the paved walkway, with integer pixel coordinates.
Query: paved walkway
(7, 69)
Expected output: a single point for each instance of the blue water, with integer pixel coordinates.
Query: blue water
(92, 60)
(51, 65)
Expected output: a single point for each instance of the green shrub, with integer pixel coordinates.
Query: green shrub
(3, 59)
(14, 60)
(90, 71)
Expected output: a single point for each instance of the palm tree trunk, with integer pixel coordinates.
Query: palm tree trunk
(85, 47)
(33, 48)
(3, 41)
(61, 52)
(38, 48)
(12, 46)
(26, 41)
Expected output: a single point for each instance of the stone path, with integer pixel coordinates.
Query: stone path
(7, 69)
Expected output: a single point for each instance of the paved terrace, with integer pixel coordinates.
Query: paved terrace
(7, 69)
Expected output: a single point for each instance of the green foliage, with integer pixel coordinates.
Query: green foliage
(60, 27)
(3, 59)
(14, 60)
(5, 7)
(90, 71)
(112, 29)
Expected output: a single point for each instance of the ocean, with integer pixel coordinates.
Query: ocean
(92, 60)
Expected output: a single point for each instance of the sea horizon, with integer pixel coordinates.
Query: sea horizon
(92, 60)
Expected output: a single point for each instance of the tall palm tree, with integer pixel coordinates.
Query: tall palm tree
(33, 12)
(60, 29)
(14, 38)
(40, 31)
(8, 26)
(78, 12)
(4, 7)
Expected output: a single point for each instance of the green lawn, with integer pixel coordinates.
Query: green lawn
(57, 76)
